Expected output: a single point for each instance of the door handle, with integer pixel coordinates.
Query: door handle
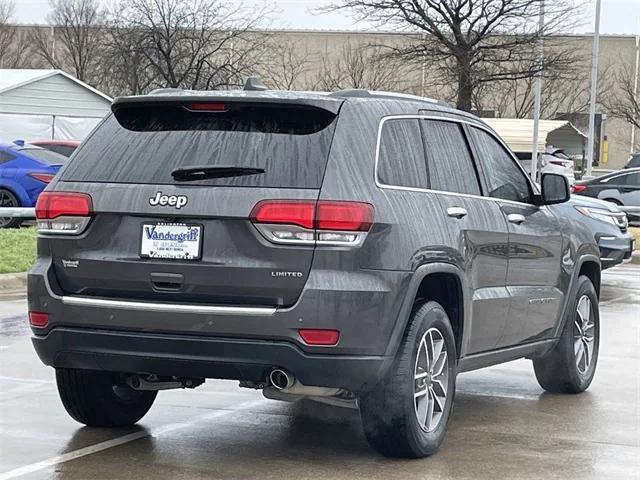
(456, 212)
(515, 218)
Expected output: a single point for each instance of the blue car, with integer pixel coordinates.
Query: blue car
(25, 170)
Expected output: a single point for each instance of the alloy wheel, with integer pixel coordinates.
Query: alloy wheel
(431, 377)
(584, 334)
(6, 200)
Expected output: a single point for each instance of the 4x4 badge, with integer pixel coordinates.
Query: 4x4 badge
(177, 201)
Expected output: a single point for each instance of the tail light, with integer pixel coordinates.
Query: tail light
(307, 222)
(319, 337)
(578, 188)
(43, 177)
(65, 213)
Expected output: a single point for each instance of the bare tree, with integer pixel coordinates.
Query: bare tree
(7, 30)
(72, 43)
(359, 66)
(565, 88)
(623, 101)
(469, 43)
(197, 44)
(285, 66)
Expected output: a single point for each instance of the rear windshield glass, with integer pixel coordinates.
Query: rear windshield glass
(44, 156)
(145, 144)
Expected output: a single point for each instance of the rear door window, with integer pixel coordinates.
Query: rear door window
(401, 160)
(451, 168)
(143, 145)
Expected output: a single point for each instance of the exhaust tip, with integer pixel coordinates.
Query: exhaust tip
(280, 379)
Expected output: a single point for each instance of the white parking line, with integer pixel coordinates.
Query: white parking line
(115, 442)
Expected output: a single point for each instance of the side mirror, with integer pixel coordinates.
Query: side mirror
(555, 189)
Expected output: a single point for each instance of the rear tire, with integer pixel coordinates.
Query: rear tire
(407, 413)
(101, 399)
(8, 199)
(571, 365)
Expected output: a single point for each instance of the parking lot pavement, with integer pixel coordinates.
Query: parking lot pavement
(504, 426)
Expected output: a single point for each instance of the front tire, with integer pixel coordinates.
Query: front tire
(101, 399)
(571, 365)
(407, 413)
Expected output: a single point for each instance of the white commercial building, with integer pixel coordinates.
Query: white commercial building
(48, 104)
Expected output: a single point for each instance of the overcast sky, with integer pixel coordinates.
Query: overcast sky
(618, 16)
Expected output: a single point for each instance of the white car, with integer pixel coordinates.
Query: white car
(553, 160)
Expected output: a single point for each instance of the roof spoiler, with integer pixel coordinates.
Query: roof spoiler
(185, 97)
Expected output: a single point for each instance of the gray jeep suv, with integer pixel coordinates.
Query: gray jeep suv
(361, 248)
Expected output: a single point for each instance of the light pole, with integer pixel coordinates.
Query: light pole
(594, 87)
(537, 95)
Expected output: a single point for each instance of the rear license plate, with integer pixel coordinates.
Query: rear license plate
(171, 240)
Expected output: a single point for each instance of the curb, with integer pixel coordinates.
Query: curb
(635, 257)
(13, 286)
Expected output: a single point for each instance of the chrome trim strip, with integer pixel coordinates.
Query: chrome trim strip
(379, 184)
(166, 307)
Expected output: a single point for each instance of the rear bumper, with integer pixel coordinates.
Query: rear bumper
(193, 356)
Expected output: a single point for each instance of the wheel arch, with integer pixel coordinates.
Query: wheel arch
(440, 282)
(588, 265)
(17, 190)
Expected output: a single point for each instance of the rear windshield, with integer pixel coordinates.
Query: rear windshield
(66, 150)
(145, 144)
(44, 156)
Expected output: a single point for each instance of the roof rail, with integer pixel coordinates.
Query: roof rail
(162, 91)
(361, 93)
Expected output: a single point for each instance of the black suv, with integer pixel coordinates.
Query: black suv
(361, 248)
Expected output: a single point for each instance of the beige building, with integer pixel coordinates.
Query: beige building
(331, 60)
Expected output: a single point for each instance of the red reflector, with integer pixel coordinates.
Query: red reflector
(319, 337)
(578, 188)
(325, 215)
(344, 216)
(38, 319)
(208, 107)
(43, 177)
(51, 205)
(284, 212)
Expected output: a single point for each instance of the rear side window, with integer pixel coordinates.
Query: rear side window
(401, 160)
(451, 167)
(143, 145)
(632, 180)
(5, 157)
(506, 180)
(44, 156)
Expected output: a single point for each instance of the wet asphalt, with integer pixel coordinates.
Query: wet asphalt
(504, 426)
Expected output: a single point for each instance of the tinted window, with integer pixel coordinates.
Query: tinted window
(401, 158)
(144, 145)
(632, 180)
(44, 156)
(5, 157)
(505, 179)
(451, 168)
(65, 150)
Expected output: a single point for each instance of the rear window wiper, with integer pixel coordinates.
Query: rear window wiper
(201, 172)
